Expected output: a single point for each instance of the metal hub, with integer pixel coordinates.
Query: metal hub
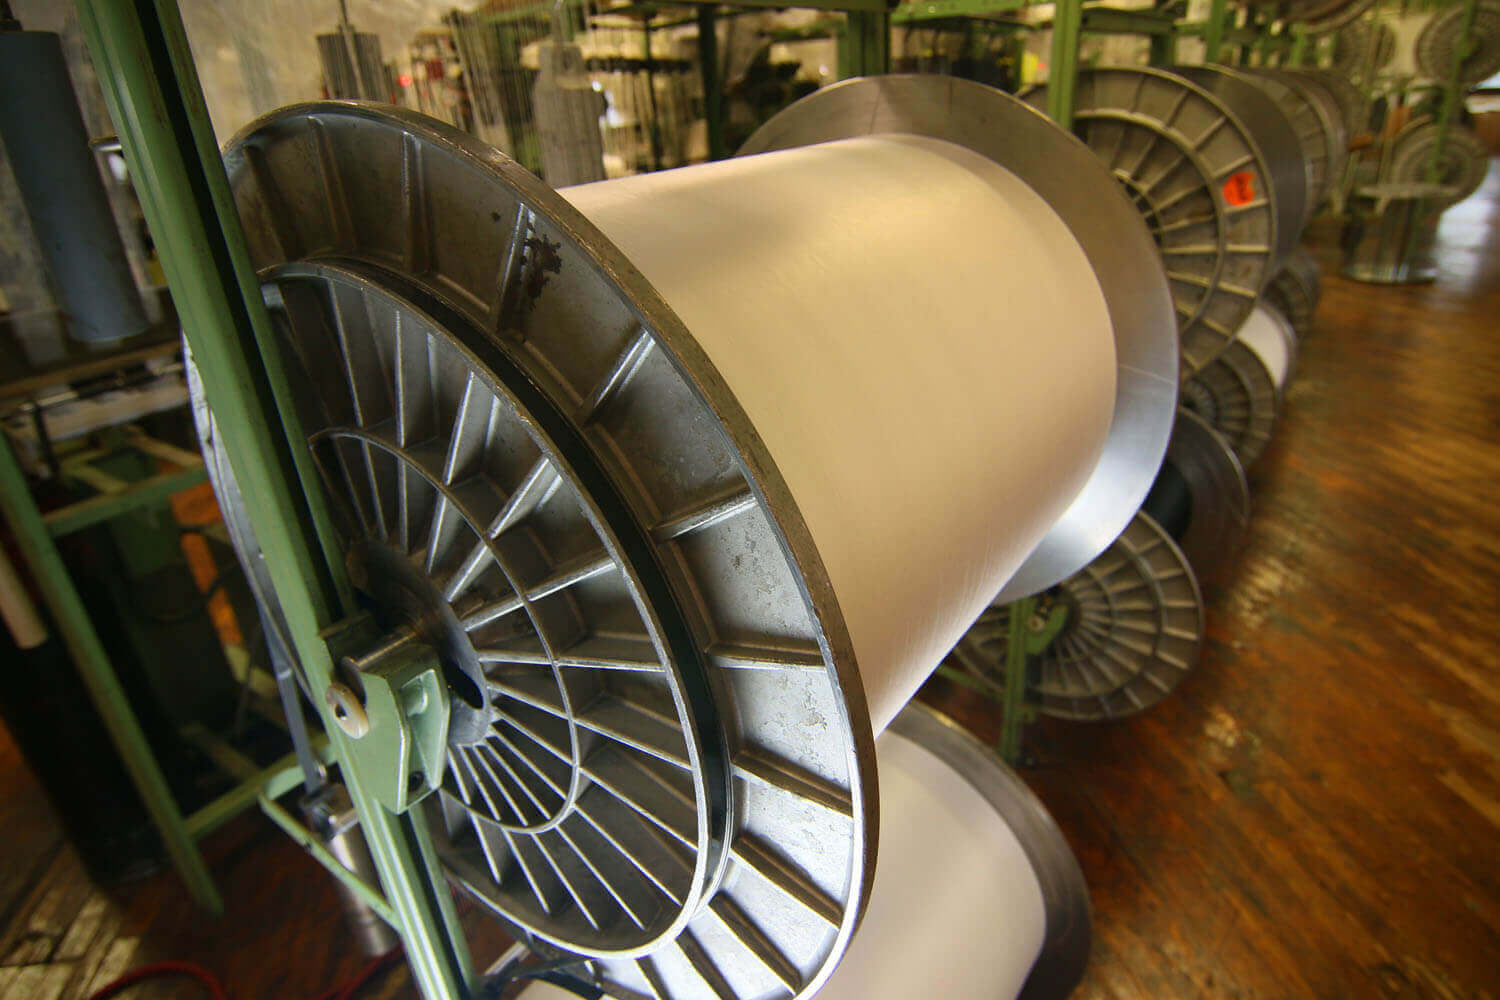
(1198, 179)
(1135, 621)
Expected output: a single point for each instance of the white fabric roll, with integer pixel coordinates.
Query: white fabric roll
(956, 910)
(1267, 333)
(922, 346)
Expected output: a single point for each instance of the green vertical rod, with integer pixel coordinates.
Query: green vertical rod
(1453, 90)
(1013, 715)
(1062, 72)
(655, 131)
(145, 68)
(1213, 31)
(1301, 44)
(713, 89)
(77, 633)
(867, 34)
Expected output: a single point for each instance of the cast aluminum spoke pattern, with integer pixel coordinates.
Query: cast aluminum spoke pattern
(1197, 180)
(1135, 621)
(1237, 396)
(582, 810)
(1322, 15)
(1438, 44)
(464, 522)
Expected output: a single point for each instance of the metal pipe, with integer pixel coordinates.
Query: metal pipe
(48, 149)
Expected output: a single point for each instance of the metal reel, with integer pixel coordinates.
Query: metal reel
(1238, 397)
(1351, 48)
(1463, 164)
(1295, 290)
(1308, 124)
(1324, 15)
(1331, 117)
(1134, 625)
(1345, 95)
(1273, 133)
(1065, 173)
(1438, 43)
(1201, 497)
(1200, 181)
(535, 472)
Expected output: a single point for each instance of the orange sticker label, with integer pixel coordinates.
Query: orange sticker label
(1240, 188)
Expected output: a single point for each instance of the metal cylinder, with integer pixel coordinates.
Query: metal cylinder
(48, 150)
(331, 815)
(902, 242)
(1391, 230)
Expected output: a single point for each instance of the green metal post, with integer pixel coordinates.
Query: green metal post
(1014, 708)
(713, 91)
(868, 41)
(145, 68)
(77, 632)
(1062, 71)
(1301, 46)
(1213, 31)
(1452, 92)
(1164, 49)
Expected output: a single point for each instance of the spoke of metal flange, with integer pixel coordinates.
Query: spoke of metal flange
(634, 727)
(573, 572)
(742, 656)
(619, 375)
(617, 894)
(1210, 132)
(507, 278)
(540, 483)
(418, 229)
(585, 814)
(1234, 166)
(790, 880)
(775, 772)
(704, 515)
(738, 923)
(704, 966)
(334, 194)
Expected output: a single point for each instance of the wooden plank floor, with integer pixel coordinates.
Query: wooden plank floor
(1315, 813)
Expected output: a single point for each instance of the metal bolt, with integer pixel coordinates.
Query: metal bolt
(347, 710)
(1036, 623)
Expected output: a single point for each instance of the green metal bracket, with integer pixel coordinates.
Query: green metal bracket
(392, 703)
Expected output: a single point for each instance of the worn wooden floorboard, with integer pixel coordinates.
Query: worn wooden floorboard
(1315, 813)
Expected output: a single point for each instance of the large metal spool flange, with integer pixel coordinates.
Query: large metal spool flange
(1323, 15)
(1070, 179)
(1437, 45)
(1196, 174)
(1462, 164)
(1135, 621)
(1275, 135)
(1351, 102)
(1296, 289)
(472, 239)
(1331, 117)
(1308, 125)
